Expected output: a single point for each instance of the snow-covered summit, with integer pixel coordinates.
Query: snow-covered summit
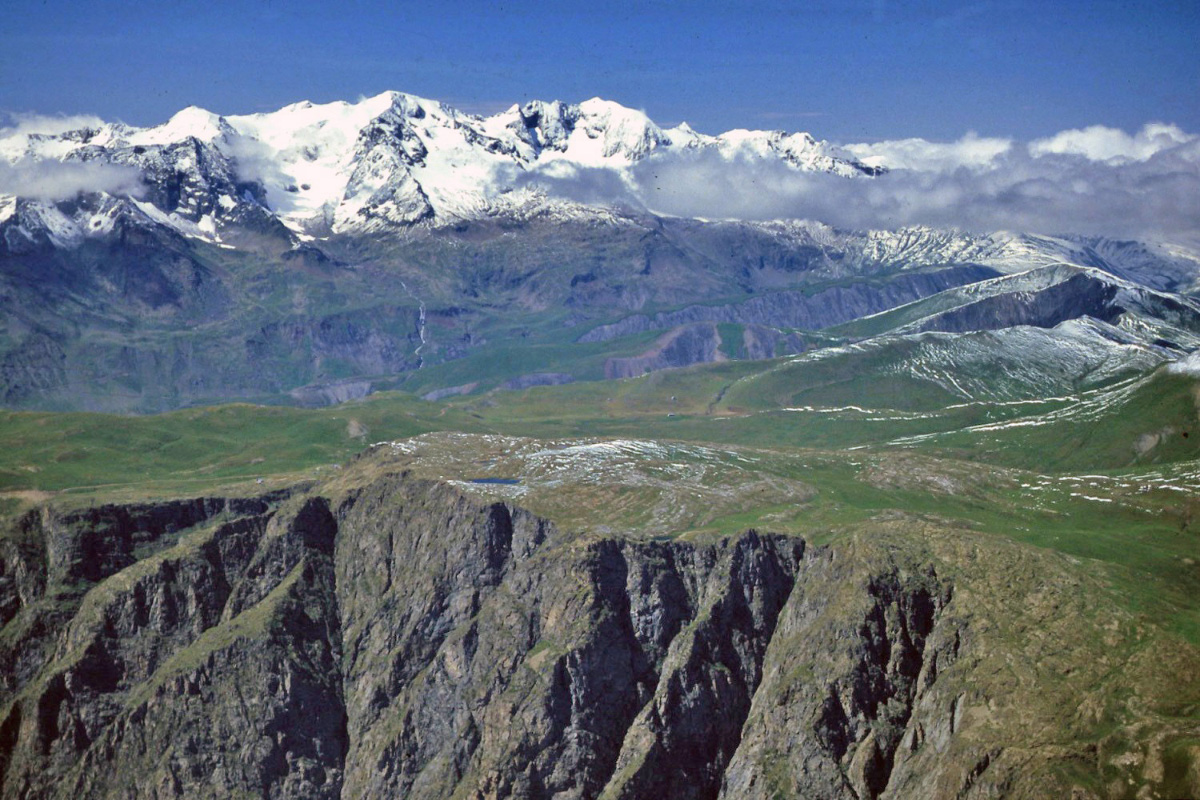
(191, 122)
(392, 159)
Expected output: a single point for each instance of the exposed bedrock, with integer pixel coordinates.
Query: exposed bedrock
(801, 309)
(401, 639)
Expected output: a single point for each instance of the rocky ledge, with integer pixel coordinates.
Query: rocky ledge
(397, 638)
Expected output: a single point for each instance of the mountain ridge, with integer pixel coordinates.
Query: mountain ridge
(319, 252)
(399, 158)
(378, 633)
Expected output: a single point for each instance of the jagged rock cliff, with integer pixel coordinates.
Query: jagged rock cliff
(387, 636)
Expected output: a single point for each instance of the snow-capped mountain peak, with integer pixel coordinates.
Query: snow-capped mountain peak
(192, 122)
(388, 160)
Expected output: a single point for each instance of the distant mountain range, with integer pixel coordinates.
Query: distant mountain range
(320, 252)
(393, 159)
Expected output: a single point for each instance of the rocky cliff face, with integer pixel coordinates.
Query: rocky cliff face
(392, 637)
(797, 309)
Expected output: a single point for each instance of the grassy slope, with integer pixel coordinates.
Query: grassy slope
(196, 450)
(1146, 537)
(1123, 527)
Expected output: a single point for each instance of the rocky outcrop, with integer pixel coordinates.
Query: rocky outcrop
(1075, 297)
(35, 367)
(704, 343)
(328, 394)
(509, 667)
(800, 309)
(687, 344)
(157, 654)
(876, 654)
(1084, 294)
(392, 637)
(450, 391)
(94, 543)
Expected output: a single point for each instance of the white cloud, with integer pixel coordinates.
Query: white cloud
(26, 124)
(1095, 143)
(1099, 143)
(62, 180)
(1095, 180)
(920, 154)
(975, 184)
(14, 136)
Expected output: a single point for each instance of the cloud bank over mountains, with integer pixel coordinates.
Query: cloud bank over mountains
(54, 181)
(1095, 143)
(1096, 180)
(24, 125)
(1099, 143)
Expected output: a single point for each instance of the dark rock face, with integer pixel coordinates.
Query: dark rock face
(1075, 297)
(521, 670)
(796, 309)
(35, 367)
(688, 344)
(403, 640)
(98, 542)
(876, 659)
(1081, 295)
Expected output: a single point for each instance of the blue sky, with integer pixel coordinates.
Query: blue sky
(847, 71)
